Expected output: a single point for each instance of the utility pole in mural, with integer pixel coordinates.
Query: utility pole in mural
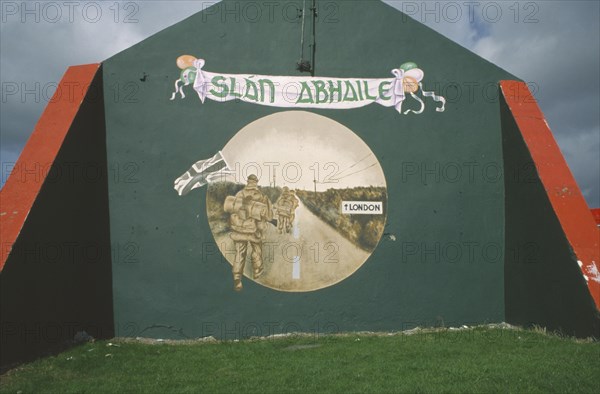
(294, 240)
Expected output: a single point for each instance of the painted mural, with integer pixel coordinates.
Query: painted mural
(296, 201)
(293, 174)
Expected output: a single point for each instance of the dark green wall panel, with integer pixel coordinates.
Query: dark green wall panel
(57, 279)
(543, 283)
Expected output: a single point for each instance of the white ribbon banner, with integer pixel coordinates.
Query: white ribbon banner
(307, 92)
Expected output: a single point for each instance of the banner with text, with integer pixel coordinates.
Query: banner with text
(306, 92)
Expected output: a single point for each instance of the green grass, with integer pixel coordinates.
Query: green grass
(478, 360)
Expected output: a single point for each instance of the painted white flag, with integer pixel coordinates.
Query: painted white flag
(203, 172)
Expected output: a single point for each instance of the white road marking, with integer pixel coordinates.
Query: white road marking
(296, 268)
(296, 234)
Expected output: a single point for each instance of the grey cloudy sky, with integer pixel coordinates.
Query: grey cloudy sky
(552, 44)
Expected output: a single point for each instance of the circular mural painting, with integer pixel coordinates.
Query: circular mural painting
(304, 206)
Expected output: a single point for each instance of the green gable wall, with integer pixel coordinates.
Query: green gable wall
(169, 280)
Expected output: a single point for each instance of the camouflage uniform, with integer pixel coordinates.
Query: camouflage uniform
(247, 229)
(286, 207)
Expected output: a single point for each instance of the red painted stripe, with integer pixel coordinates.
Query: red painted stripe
(29, 173)
(596, 214)
(567, 201)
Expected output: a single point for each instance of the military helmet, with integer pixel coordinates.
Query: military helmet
(252, 178)
(286, 189)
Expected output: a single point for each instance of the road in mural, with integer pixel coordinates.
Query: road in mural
(312, 256)
(295, 201)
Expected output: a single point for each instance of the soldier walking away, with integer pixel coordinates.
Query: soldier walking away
(286, 207)
(250, 212)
